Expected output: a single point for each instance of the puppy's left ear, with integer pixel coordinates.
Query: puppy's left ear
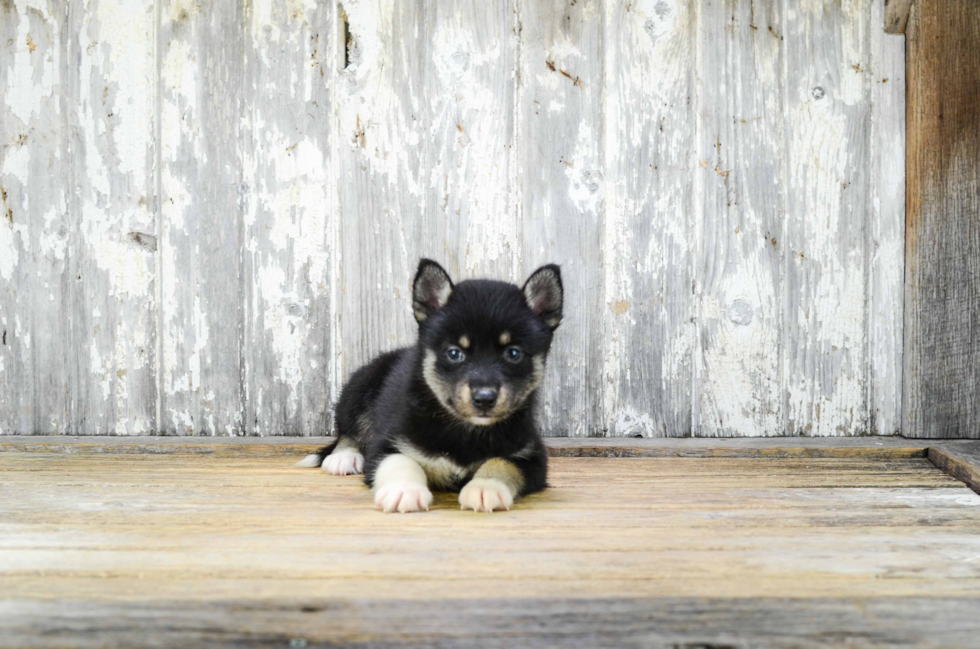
(544, 294)
(430, 290)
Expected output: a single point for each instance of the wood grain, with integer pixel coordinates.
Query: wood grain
(562, 185)
(721, 183)
(960, 460)
(896, 15)
(739, 386)
(36, 231)
(381, 156)
(649, 74)
(469, 81)
(887, 228)
(201, 242)
(854, 545)
(825, 238)
(291, 225)
(583, 623)
(782, 447)
(113, 248)
(942, 273)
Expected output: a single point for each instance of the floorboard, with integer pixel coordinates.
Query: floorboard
(183, 548)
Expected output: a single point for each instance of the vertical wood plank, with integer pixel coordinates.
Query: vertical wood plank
(741, 154)
(202, 61)
(648, 309)
(383, 178)
(887, 250)
(560, 147)
(470, 221)
(896, 15)
(35, 231)
(112, 112)
(942, 298)
(290, 218)
(231, 257)
(426, 158)
(826, 239)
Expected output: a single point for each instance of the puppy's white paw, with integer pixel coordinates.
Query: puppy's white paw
(344, 462)
(485, 495)
(403, 497)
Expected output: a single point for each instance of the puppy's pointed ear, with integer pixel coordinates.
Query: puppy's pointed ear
(544, 294)
(430, 290)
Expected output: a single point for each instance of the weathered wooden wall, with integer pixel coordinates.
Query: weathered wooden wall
(942, 362)
(212, 210)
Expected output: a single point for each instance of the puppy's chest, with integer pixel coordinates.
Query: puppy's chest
(440, 469)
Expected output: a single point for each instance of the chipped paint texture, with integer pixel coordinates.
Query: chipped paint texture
(212, 211)
(113, 304)
(36, 289)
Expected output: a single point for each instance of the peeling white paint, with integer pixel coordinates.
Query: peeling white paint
(652, 162)
(16, 163)
(35, 76)
(9, 252)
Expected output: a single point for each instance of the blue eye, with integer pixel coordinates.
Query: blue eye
(514, 354)
(455, 354)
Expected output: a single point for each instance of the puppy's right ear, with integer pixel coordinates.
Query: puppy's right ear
(430, 290)
(545, 295)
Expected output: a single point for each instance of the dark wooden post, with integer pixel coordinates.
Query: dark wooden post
(897, 15)
(942, 273)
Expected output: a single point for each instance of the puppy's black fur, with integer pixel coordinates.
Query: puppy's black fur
(465, 393)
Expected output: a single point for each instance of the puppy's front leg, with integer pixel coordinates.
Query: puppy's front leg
(494, 486)
(400, 485)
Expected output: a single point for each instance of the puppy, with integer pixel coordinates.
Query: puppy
(455, 412)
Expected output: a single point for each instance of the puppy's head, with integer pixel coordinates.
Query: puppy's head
(484, 343)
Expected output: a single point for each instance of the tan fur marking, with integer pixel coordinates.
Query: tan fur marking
(503, 470)
(442, 391)
(457, 399)
(440, 471)
(505, 338)
(464, 341)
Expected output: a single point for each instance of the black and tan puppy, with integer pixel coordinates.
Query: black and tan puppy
(454, 412)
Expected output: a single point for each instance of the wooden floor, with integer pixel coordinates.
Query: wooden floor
(239, 548)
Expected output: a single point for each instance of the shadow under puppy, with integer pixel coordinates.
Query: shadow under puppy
(456, 411)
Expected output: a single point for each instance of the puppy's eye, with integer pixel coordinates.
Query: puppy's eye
(455, 354)
(514, 354)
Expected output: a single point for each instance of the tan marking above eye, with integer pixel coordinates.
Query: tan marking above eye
(464, 341)
(505, 338)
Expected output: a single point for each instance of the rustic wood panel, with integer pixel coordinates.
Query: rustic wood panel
(112, 258)
(960, 460)
(896, 15)
(425, 143)
(562, 185)
(381, 143)
(825, 237)
(151, 538)
(469, 73)
(36, 232)
(201, 243)
(649, 70)
(291, 224)
(781, 447)
(540, 623)
(741, 171)
(255, 182)
(942, 273)
(887, 228)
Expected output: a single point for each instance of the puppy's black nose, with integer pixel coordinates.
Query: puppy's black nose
(484, 398)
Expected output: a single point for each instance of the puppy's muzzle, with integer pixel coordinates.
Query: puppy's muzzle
(484, 399)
